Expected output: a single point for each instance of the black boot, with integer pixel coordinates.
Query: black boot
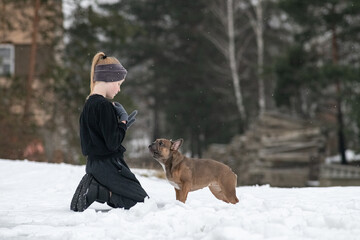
(75, 198)
(90, 192)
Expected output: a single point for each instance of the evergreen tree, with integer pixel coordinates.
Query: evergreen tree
(323, 25)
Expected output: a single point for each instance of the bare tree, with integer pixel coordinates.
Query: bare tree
(254, 11)
(232, 59)
(234, 53)
(225, 43)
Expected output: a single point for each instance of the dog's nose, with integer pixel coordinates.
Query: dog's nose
(149, 146)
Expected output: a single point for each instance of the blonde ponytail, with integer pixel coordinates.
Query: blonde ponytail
(94, 63)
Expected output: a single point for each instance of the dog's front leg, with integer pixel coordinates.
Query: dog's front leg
(177, 192)
(181, 194)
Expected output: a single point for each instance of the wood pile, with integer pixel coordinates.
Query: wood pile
(276, 150)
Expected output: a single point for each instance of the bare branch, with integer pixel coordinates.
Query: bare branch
(244, 46)
(218, 43)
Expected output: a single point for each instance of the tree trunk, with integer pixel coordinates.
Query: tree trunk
(199, 144)
(232, 60)
(341, 135)
(259, 31)
(258, 28)
(32, 60)
(192, 143)
(156, 126)
(2, 21)
(226, 45)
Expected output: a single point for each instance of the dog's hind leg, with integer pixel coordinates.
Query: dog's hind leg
(218, 193)
(229, 188)
(231, 195)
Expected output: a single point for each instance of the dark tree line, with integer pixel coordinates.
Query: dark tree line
(309, 63)
(185, 58)
(322, 61)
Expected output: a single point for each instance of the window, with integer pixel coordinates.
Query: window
(7, 59)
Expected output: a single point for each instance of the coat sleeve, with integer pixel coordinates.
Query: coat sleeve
(112, 131)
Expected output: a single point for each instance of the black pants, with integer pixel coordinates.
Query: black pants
(114, 174)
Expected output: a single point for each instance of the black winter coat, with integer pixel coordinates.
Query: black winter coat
(101, 133)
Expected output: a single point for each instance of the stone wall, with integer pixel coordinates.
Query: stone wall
(339, 175)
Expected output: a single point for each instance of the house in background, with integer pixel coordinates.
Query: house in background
(16, 35)
(31, 35)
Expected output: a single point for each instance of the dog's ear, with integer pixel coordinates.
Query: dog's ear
(175, 145)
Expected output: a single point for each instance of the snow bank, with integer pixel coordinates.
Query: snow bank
(35, 198)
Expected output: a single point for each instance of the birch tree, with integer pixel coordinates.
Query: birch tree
(254, 11)
(225, 43)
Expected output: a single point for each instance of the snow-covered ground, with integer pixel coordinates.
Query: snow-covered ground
(35, 198)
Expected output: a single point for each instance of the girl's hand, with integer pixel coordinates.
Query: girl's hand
(121, 112)
(131, 118)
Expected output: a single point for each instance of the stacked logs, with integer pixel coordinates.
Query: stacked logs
(277, 149)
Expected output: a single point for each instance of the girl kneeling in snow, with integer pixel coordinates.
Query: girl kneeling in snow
(103, 127)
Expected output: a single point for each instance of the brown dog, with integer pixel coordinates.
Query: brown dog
(189, 174)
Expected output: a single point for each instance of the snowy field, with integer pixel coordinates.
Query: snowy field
(35, 199)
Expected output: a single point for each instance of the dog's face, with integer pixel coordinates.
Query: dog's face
(162, 149)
